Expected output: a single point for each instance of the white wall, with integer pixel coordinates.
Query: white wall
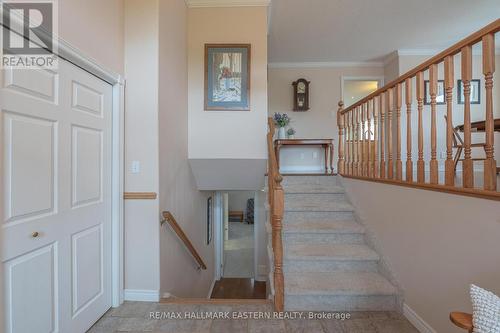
(321, 120)
(260, 232)
(238, 199)
(142, 244)
(227, 134)
(434, 253)
(178, 192)
(96, 28)
(227, 149)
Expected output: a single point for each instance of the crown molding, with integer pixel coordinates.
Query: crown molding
(331, 64)
(226, 3)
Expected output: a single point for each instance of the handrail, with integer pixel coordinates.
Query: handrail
(379, 157)
(476, 37)
(276, 200)
(168, 217)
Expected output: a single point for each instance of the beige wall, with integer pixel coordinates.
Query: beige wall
(321, 120)
(178, 193)
(437, 252)
(142, 245)
(96, 28)
(227, 134)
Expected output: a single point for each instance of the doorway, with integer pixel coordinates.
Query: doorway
(354, 88)
(239, 242)
(239, 235)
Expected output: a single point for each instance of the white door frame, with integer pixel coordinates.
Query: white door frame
(64, 50)
(219, 235)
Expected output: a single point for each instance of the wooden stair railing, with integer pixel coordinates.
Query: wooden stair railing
(169, 218)
(384, 107)
(276, 198)
(462, 320)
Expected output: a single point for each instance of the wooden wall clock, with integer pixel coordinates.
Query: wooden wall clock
(301, 95)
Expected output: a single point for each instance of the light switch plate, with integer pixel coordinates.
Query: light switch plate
(135, 167)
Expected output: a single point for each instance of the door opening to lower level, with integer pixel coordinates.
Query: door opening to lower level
(239, 256)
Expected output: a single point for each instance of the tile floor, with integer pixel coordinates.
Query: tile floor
(135, 317)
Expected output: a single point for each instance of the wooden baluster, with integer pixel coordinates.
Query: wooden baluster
(449, 164)
(467, 164)
(356, 141)
(490, 165)
(433, 165)
(277, 241)
(351, 162)
(363, 139)
(340, 122)
(369, 170)
(382, 136)
(420, 107)
(409, 162)
(398, 101)
(390, 107)
(348, 143)
(375, 136)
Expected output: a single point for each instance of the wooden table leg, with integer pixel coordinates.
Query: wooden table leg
(331, 158)
(326, 158)
(277, 152)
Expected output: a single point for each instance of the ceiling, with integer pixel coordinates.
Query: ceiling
(369, 30)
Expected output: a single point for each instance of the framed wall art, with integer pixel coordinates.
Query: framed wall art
(439, 96)
(227, 77)
(475, 92)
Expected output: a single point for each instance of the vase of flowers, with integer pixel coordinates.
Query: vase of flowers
(291, 133)
(281, 120)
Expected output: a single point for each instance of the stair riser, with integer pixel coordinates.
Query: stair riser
(340, 303)
(308, 217)
(317, 202)
(313, 180)
(331, 238)
(301, 266)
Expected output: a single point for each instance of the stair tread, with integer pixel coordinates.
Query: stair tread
(312, 188)
(338, 284)
(312, 251)
(322, 227)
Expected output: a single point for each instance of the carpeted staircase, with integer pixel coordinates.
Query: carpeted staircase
(328, 265)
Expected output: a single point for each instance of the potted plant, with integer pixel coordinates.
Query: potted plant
(291, 133)
(281, 120)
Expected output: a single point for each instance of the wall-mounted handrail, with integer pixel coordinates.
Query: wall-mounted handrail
(276, 200)
(380, 158)
(169, 218)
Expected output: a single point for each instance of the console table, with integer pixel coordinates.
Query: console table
(326, 144)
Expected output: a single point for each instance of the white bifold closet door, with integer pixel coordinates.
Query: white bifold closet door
(56, 137)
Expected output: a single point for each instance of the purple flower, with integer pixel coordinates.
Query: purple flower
(281, 119)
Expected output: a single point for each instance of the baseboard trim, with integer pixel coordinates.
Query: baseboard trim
(416, 320)
(211, 289)
(141, 295)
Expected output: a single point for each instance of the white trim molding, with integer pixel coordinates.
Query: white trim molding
(142, 295)
(331, 64)
(226, 3)
(421, 325)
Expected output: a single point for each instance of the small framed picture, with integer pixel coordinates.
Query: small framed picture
(439, 96)
(209, 220)
(475, 92)
(227, 77)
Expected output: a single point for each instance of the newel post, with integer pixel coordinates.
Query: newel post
(341, 125)
(277, 243)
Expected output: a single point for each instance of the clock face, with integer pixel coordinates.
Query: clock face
(301, 88)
